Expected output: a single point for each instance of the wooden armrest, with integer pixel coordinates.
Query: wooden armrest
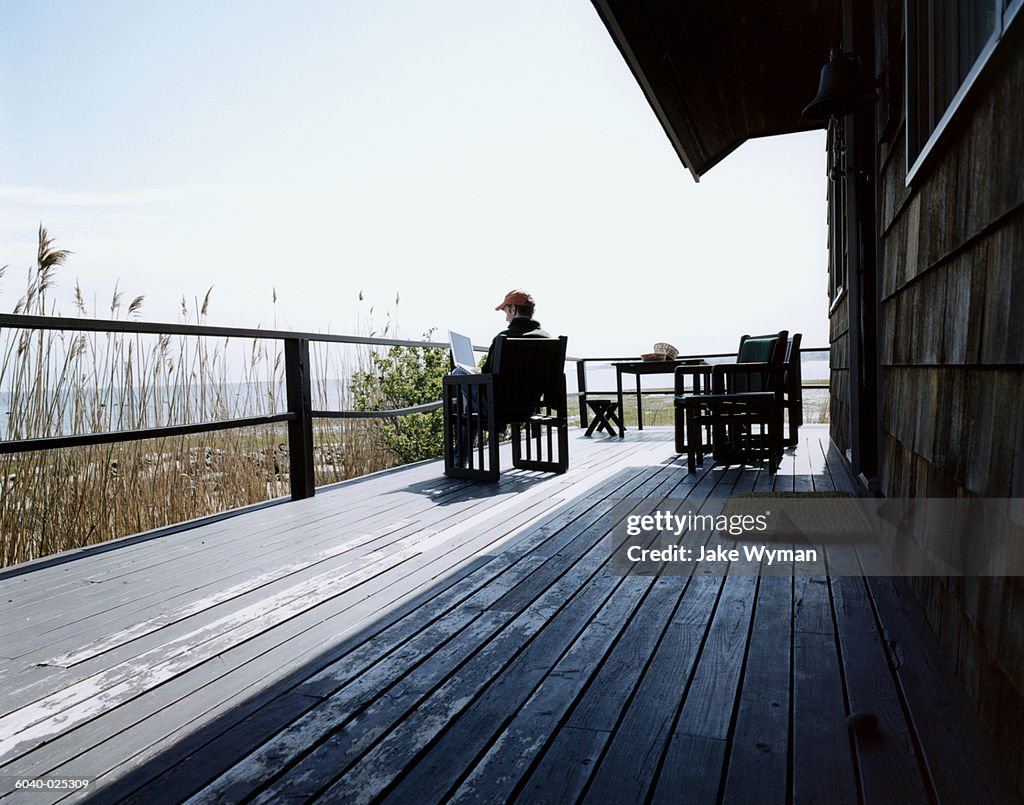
(736, 396)
(739, 368)
(467, 380)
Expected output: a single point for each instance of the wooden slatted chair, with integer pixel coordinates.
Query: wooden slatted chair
(526, 390)
(744, 410)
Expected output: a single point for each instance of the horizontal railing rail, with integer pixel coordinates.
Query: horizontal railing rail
(425, 408)
(137, 434)
(67, 323)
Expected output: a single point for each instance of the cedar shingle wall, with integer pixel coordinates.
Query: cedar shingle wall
(952, 351)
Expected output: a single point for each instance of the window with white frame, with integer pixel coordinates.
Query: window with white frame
(948, 43)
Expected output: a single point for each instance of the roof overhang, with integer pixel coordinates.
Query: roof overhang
(721, 72)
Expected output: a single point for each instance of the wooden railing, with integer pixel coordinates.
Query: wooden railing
(300, 413)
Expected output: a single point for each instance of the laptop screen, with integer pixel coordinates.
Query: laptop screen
(462, 351)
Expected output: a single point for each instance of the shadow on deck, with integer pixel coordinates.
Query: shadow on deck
(416, 639)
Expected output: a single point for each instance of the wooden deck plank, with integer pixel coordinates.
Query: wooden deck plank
(132, 617)
(541, 628)
(222, 562)
(786, 473)
(500, 519)
(579, 744)
(815, 465)
(361, 662)
(86, 698)
(635, 752)
(316, 582)
(190, 760)
(496, 775)
(707, 711)
(394, 526)
(480, 648)
(439, 516)
(265, 543)
(941, 718)
(886, 757)
(837, 469)
(513, 718)
(143, 636)
(515, 599)
(822, 756)
(359, 496)
(335, 710)
(383, 761)
(296, 649)
(358, 499)
(693, 762)
(820, 740)
(627, 768)
(566, 763)
(758, 763)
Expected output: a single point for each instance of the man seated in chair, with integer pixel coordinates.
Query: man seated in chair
(518, 306)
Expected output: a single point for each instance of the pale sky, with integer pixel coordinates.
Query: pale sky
(447, 151)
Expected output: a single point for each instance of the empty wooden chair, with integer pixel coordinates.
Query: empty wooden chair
(525, 390)
(744, 410)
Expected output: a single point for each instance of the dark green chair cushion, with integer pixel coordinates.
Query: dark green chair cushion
(756, 350)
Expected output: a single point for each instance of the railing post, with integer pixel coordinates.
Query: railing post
(581, 387)
(300, 429)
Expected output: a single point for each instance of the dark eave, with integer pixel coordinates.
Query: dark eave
(718, 72)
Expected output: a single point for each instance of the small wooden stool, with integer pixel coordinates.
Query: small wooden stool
(606, 417)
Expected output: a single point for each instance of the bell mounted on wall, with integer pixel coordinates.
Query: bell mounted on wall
(841, 89)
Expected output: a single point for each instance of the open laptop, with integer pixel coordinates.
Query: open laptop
(462, 352)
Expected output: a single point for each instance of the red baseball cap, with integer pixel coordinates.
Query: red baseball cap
(516, 297)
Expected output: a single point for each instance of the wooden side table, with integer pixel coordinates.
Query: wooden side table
(639, 368)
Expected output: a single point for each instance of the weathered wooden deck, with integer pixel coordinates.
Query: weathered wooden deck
(414, 639)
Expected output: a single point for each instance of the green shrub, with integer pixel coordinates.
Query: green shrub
(403, 377)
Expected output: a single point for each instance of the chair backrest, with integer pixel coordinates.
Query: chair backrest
(767, 349)
(528, 372)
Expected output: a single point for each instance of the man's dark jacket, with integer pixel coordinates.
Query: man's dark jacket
(519, 327)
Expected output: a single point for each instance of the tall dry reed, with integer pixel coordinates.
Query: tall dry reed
(59, 383)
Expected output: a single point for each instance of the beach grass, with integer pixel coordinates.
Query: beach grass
(62, 383)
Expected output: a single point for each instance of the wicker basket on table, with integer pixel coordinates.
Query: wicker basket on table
(662, 352)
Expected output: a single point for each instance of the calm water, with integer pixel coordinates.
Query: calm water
(242, 399)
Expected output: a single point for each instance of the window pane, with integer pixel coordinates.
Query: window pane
(944, 40)
(978, 19)
(944, 47)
